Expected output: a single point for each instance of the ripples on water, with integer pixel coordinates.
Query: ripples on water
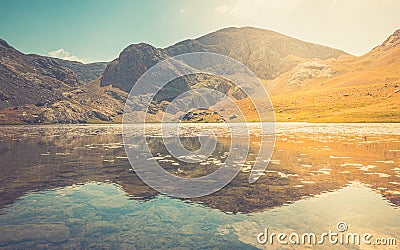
(72, 186)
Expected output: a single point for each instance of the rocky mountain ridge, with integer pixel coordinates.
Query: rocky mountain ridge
(299, 75)
(268, 54)
(39, 89)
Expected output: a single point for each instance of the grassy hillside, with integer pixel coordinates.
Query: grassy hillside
(348, 89)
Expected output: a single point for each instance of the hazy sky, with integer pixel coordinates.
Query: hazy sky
(97, 30)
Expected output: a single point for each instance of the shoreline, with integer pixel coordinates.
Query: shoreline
(104, 123)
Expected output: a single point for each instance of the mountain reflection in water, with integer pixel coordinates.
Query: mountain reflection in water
(38, 162)
(308, 160)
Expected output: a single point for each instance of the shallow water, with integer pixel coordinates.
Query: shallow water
(72, 186)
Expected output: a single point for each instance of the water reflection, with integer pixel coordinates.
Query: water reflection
(308, 160)
(72, 185)
(100, 215)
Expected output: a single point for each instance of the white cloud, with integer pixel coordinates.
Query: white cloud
(62, 54)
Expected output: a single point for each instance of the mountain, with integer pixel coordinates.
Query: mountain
(306, 82)
(31, 79)
(347, 89)
(266, 53)
(84, 72)
(132, 62)
(39, 89)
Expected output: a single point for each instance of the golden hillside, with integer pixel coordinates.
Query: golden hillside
(347, 89)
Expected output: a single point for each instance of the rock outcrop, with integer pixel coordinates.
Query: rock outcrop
(133, 61)
(391, 42)
(310, 70)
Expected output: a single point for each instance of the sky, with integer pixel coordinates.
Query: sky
(98, 30)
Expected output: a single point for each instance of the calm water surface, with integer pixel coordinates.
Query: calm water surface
(71, 186)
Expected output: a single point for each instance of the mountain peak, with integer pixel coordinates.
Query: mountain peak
(4, 43)
(139, 46)
(6, 46)
(243, 28)
(392, 41)
(141, 50)
(132, 62)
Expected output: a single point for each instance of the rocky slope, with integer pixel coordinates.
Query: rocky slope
(307, 82)
(31, 79)
(84, 72)
(130, 65)
(86, 104)
(265, 52)
(348, 89)
(34, 79)
(38, 89)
